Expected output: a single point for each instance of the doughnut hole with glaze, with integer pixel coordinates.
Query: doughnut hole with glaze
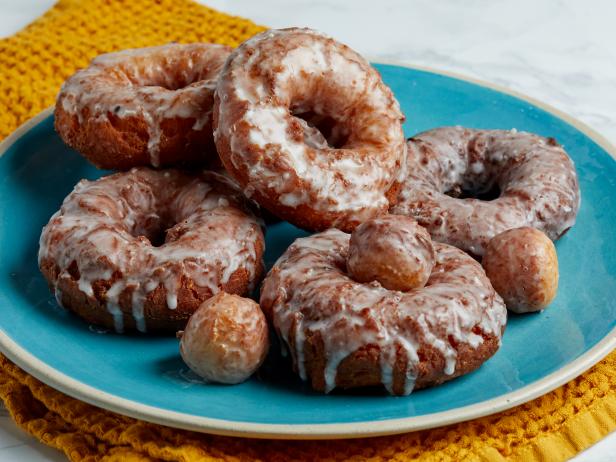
(226, 339)
(522, 265)
(393, 250)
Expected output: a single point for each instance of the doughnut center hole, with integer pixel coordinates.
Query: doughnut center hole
(157, 238)
(154, 229)
(489, 194)
(322, 131)
(171, 84)
(168, 79)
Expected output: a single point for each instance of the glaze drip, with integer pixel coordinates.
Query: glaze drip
(308, 293)
(297, 71)
(100, 236)
(537, 181)
(154, 84)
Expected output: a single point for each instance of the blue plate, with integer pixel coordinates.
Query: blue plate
(143, 376)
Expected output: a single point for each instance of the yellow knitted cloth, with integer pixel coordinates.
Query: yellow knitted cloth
(33, 64)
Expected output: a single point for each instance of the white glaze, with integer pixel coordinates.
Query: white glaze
(308, 291)
(102, 224)
(537, 179)
(154, 84)
(58, 296)
(280, 73)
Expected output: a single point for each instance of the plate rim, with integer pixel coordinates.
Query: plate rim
(369, 428)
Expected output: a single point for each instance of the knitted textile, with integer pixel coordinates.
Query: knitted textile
(33, 65)
(35, 61)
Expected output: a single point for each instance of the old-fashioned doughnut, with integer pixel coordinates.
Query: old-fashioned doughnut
(522, 265)
(143, 249)
(393, 250)
(140, 107)
(344, 333)
(309, 129)
(466, 186)
(226, 339)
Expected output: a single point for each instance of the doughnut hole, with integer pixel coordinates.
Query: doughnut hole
(393, 250)
(522, 265)
(226, 339)
(321, 131)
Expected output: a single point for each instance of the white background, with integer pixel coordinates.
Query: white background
(560, 51)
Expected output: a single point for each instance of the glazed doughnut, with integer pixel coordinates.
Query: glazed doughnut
(226, 339)
(143, 249)
(522, 265)
(535, 179)
(147, 106)
(401, 261)
(343, 333)
(309, 129)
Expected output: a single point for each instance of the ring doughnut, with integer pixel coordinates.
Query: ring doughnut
(535, 181)
(143, 249)
(143, 107)
(309, 129)
(343, 333)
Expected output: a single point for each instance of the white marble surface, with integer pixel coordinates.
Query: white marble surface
(559, 51)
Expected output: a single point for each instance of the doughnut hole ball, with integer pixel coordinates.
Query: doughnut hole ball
(522, 265)
(226, 339)
(393, 250)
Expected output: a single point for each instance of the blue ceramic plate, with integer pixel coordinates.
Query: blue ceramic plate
(143, 376)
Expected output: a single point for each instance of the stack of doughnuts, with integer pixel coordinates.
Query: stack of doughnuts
(420, 245)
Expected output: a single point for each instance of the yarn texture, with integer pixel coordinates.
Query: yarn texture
(33, 65)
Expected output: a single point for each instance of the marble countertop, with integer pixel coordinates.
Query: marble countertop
(559, 51)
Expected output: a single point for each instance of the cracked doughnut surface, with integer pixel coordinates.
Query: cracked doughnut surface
(143, 107)
(529, 181)
(309, 129)
(347, 334)
(143, 249)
